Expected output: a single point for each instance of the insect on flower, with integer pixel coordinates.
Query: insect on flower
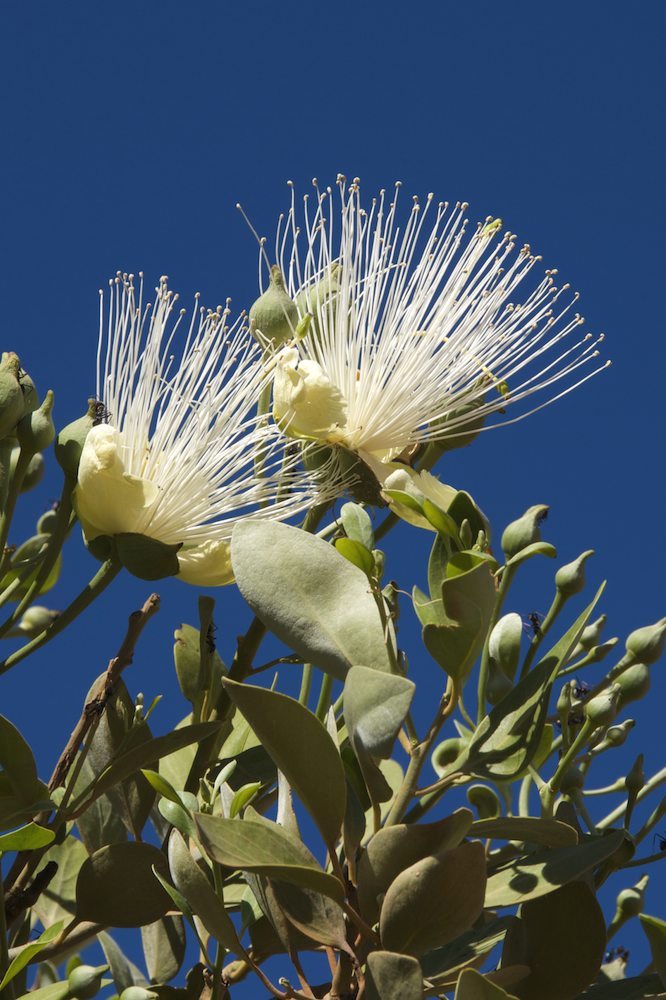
(418, 330)
(171, 459)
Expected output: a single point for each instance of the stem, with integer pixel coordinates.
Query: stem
(93, 589)
(324, 702)
(306, 684)
(419, 753)
(505, 583)
(657, 779)
(10, 503)
(553, 612)
(53, 547)
(389, 522)
(551, 788)
(4, 951)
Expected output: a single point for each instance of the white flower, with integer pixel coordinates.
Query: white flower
(419, 331)
(176, 459)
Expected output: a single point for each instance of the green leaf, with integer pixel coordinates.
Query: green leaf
(393, 849)
(101, 823)
(27, 838)
(285, 728)
(58, 900)
(242, 797)
(468, 599)
(566, 923)
(537, 874)
(393, 977)
(357, 524)
(265, 848)
(163, 948)
(54, 991)
(443, 523)
(655, 931)
(531, 829)
(161, 785)
(357, 555)
(124, 972)
(187, 660)
(473, 944)
(429, 611)
(317, 917)
(18, 765)
(312, 599)
(463, 508)
(197, 890)
(414, 918)
(29, 951)
(116, 886)
(473, 986)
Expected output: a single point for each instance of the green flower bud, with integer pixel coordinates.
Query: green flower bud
(590, 636)
(462, 434)
(634, 683)
(71, 439)
(630, 901)
(602, 709)
(597, 653)
(146, 557)
(647, 643)
(35, 620)
(274, 317)
(636, 777)
(11, 396)
(466, 536)
(484, 800)
(34, 472)
(30, 395)
(321, 296)
(137, 993)
(617, 735)
(379, 560)
(523, 532)
(570, 579)
(47, 522)
(35, 431)
(498, 685)
(85, 981)
(572, 781)
(446, 752)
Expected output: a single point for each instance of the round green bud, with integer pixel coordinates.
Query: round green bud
(35, 621)
(630, 901)
(85, 981)
(34, 473)
(446, 752)
(274, 317)
(466, 536)
(47, 522)
(634, 683)
(572, 781)
(11, 396)
(602, 709)
(484, 800)
(71, 439)
(617, 735)
(35, 431)
(137, 993)
(523, 532)
(570, 579)
(647, 643)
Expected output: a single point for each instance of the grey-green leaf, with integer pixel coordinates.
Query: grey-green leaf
(116, 886)
(309, 596)
(286, 728)
(390, 976)
(473, 986)
(164, 948)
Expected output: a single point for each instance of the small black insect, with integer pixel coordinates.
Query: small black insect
(533, 623)
(660, 840)
(580, 689)
(617, 952)
(101, 414)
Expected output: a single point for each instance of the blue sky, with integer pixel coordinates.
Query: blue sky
(130, 131)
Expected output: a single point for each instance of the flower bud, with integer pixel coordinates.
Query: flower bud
(634, 683)
(274, 317)
(573, 780)
(71, 439)
(138, 993)
(34, 472)
(30, 395)
(570, 579)
(11, 396)
(636, 777)
(498, 685)
(35, 431)
(320, 296)
(466, 536)
(85, 981)
(523, 532)
(47, 522)
(597, 653)
(617, 735)
(35, 620)
(484, 800)
(590, 635)
(630, 901)
(647, 643)
(602, 709)
(464, 430)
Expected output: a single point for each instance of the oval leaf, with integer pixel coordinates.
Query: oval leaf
(116, 886)
(309, 596)
(197, 890)
(393, 977)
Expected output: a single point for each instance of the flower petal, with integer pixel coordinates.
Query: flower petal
(207, 565)
(305, 401)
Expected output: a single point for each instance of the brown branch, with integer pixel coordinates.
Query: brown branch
(23, 899)
(26, 861)
(104, 689)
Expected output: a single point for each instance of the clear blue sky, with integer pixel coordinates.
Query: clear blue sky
(130, 131)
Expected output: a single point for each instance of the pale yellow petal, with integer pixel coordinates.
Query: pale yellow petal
(305, 401)
(206, 565)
